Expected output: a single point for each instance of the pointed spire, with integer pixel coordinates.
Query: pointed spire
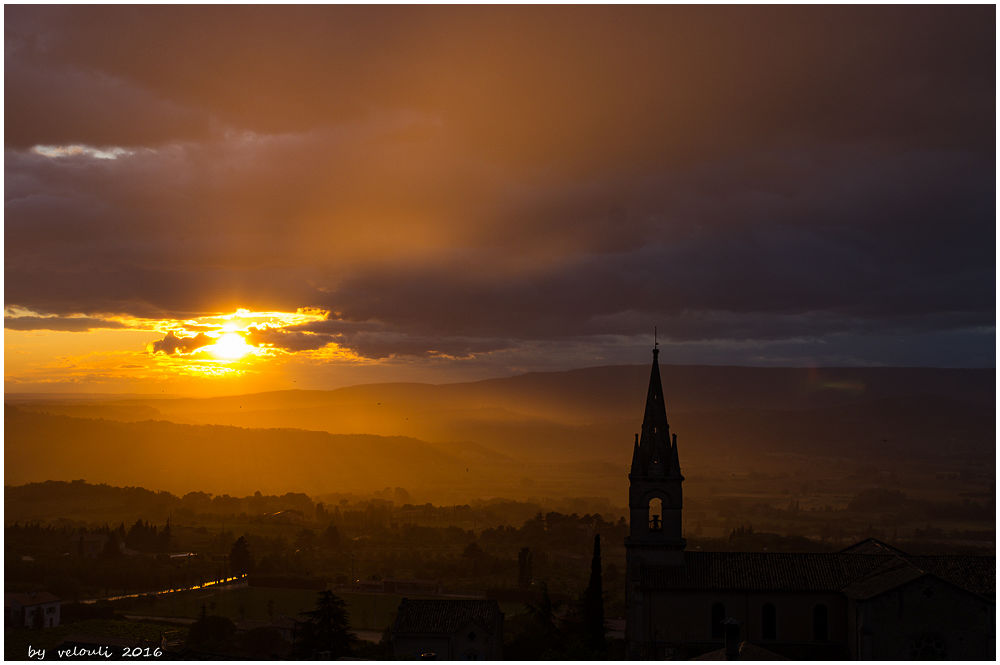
(635, 456)
(654, 453)
(654, 420)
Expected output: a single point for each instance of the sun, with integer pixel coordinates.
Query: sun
(230, 346)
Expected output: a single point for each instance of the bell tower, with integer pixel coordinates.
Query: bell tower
(654, 493)
(655, 501)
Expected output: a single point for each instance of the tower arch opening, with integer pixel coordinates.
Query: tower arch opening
(656, 514)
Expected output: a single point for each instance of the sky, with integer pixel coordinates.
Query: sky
(208, 200)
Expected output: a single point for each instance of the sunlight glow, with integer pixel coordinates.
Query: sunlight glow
(230, 346)
(221, 347)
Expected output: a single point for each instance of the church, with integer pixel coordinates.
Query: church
(869, 601)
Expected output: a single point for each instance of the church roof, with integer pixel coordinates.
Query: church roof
(873, 546)
(763, 571)
(859, 575)
(977, 574)
(890, 576)
(445, 616)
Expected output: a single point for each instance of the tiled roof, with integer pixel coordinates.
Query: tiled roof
(30, 598)
(444, 615)
(977, 574)
(763, 571)
(891, 575)
(858, 574)
(279, 623)
(872, 546)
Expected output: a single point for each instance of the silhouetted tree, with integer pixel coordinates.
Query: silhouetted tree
(544, 614)
(240, 560)
(331, 537)
(305, 539)
(112, 546)
(143, 537)
(524, 567)
(264, 642)
(474, 553)
(326, 629)
(535, 635)
(165, 537)
(211, 633)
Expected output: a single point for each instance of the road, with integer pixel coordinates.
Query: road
(228, 583)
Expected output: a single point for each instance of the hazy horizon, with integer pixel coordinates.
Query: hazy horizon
(83, 392)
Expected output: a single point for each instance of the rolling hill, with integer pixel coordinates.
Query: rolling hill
(560, 433)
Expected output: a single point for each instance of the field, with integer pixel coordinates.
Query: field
(367, 611)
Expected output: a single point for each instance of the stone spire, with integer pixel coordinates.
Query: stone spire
(656, 454)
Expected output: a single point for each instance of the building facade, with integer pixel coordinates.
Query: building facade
(869, 601)
(35, 609)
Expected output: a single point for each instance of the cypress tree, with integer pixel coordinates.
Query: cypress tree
(593, 602)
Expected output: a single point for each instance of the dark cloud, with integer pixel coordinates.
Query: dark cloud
(68, 324)
(756, 254)
(455, 180)
(630, 80)
(288, 341)
(370, 340)
(379, 345)
(173, 344)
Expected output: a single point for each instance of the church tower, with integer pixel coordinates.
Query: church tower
(654, 493)
(654, 500)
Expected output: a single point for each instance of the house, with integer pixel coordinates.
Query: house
(447, 629)
(92, 545)
(869, 601)
(34, 609)
(270, 639)
(283, 625)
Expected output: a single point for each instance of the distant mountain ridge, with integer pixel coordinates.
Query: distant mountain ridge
(615, 390)
(561, 428)
(183, 458)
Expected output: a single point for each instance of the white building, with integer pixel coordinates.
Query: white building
(35, 609)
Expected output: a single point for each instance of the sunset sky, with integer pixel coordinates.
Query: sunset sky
(209, 200)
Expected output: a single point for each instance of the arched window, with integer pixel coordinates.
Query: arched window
(718, 616)
(768, 622)
(655, 515)
(820, 623)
